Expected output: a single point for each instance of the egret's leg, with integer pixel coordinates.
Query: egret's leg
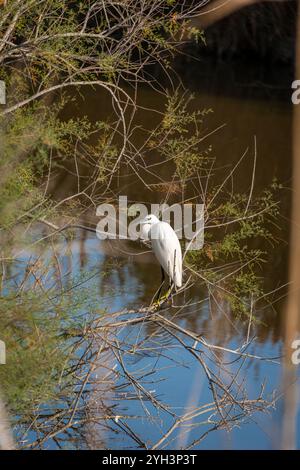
(165, 297)
(171, 286)
(169, 291)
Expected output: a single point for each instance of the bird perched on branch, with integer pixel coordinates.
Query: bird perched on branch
(166, 247)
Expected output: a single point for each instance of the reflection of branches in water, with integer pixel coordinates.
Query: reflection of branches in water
(107, 380)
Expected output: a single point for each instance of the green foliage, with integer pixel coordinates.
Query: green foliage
(35, 354)
(197, 35)
(29, 139)
(232, 254)
(43, 336)
(17, 194)
(67, 42)
(180, 137)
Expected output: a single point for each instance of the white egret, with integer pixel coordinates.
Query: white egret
(166, 247)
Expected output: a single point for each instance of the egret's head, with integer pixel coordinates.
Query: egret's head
(149, 220)
(146, 225)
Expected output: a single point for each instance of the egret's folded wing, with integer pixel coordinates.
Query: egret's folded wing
(167, 250)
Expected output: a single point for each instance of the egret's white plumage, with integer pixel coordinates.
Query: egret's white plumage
(165, 245)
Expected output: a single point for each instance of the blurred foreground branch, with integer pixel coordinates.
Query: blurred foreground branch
(6, 439)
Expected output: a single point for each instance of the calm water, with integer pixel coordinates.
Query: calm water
(175, 376)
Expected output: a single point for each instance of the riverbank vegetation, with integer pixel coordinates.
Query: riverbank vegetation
(56, 336)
